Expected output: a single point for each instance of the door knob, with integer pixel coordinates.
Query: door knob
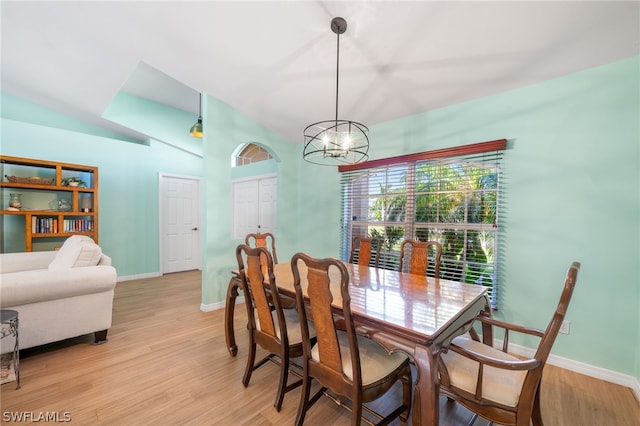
(194, 229)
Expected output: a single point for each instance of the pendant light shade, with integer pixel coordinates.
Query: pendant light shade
(196, 129)
(335, 142)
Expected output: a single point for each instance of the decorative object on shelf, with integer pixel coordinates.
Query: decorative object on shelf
(35, 180)
(85, 204)
(15, 201)
(335, 142)
(74, 181)
(64, 205)
(196, 129)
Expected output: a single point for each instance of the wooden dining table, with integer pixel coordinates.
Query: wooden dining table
(416, 314)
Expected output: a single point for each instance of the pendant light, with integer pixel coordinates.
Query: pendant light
(335, 142)
(196, 129)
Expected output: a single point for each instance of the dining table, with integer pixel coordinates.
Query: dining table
(416, 314)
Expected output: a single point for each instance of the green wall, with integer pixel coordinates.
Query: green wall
(572, 189)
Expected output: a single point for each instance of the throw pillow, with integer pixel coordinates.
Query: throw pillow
(77, 251)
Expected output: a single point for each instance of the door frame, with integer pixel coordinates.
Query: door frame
(161, 186)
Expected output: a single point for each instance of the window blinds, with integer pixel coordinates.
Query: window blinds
(450, 196)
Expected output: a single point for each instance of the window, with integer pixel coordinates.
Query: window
(251, 153)
(450, 196)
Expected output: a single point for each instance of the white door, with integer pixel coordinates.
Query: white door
(246, 215)
(268, 198)
(180, 223)
(255, 206)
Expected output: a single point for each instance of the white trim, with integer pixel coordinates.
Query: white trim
(580, 367)
(219, 305)
(138, 276)
(263, 176)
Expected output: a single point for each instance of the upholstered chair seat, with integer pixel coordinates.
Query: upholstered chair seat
(375, 361)
(498, 385)
(292, 321)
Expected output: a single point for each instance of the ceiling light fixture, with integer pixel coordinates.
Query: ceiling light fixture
(196, 129)
(335, 142)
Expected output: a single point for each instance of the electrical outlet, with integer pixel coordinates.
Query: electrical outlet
(564, 328)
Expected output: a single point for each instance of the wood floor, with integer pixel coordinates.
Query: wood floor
(166, 364)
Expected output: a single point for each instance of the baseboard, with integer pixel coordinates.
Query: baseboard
(218, 305)
(586, 369)
(138, 276)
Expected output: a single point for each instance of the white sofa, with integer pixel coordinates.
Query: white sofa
(58, 294)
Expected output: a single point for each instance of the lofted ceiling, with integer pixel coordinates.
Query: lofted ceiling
(274, 61)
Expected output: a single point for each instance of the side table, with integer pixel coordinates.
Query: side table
(10, 328)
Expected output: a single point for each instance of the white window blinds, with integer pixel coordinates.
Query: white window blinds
(451, 196)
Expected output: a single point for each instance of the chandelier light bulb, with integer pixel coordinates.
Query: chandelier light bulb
(346, 142)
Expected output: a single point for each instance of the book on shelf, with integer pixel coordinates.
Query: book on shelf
(78, 225)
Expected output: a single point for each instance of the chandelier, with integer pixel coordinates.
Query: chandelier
(335, 142)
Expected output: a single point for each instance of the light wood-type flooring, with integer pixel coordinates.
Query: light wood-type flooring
(166, 364)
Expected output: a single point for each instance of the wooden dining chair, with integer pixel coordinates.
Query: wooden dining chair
(493, 383)
(365, 251)
(275, 329)
(266, 240)
(349, 365)
(415, 257)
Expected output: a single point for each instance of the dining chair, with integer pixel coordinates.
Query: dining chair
(268, 241)
(349, 365)
(265, 239)
(415, 257)
(365, 251)
(275, 329)
(490, 381)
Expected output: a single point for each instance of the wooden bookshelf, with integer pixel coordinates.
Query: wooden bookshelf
(52, 209)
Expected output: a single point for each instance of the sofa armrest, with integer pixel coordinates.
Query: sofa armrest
(18, 288)
(104, 260)
(25, 261)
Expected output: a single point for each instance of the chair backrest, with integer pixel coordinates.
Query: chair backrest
(415, 255)
(266, 240)
(534, 376)
(367, 251)
(550, 334)
(320, 273)
(261, 295)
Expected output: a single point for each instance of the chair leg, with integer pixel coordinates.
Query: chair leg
(284, 375)
(251, 358)
(536, 415)
(304, 400)
(356, 409)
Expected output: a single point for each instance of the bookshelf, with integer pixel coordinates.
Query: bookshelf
(44, 202)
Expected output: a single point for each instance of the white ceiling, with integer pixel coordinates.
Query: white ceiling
(275, 60)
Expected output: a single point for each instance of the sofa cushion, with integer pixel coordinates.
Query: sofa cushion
(76, 252)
